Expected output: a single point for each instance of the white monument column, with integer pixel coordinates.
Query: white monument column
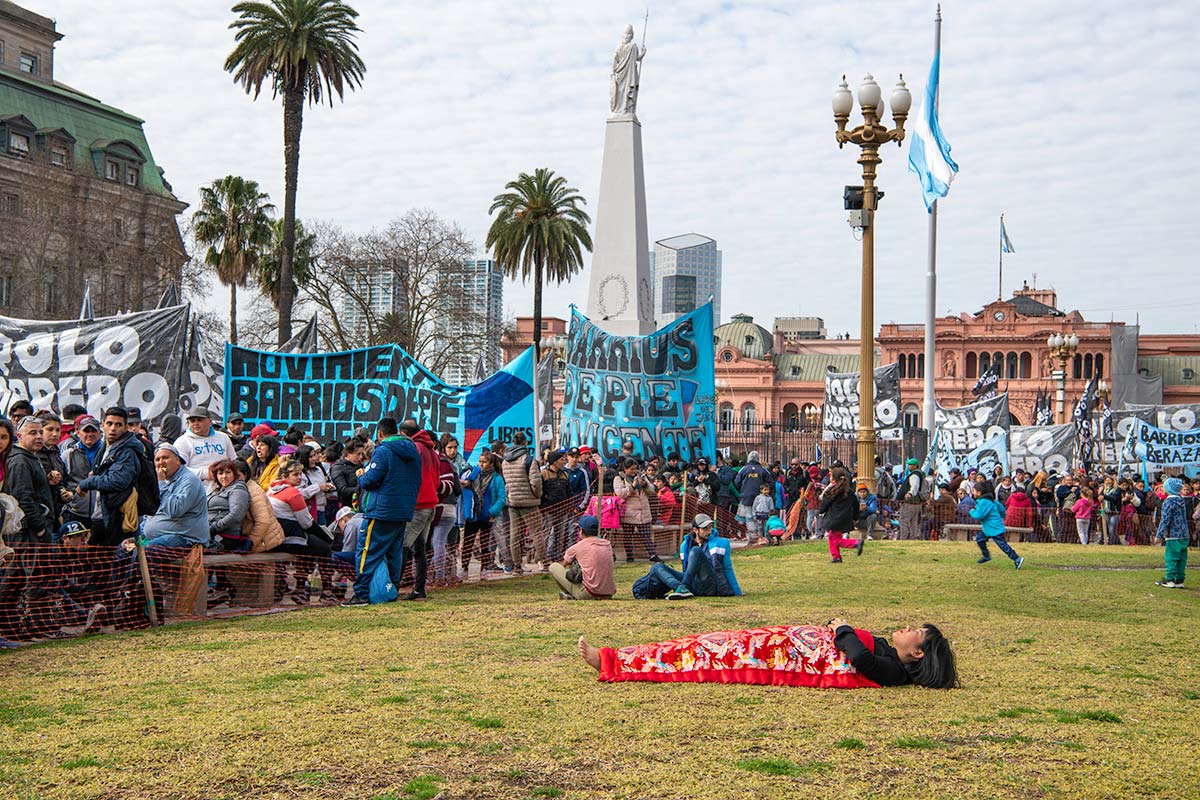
(619, 298)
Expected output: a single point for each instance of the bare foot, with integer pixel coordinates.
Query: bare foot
(590, 654)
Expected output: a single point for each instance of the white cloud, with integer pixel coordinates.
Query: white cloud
(1071, 117)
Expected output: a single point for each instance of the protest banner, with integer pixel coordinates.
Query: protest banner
(135, 360)
(1042, 447)
(963, 430)
(655, 391)
(1182, 417)
(841, 404)
(331, 394)
(1162, 447)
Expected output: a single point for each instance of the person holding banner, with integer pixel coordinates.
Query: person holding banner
(1174, 533)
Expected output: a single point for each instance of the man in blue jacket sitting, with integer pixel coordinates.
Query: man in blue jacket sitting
(707, 568)
(388, 496)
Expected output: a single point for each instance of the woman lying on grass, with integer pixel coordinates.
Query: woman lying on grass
(833, 656)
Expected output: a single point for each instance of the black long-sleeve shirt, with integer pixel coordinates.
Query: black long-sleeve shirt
(883, 666)
(839, 511)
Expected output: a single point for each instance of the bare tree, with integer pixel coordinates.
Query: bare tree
(409, 283)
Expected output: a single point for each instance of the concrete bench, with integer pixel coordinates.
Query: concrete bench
(965, 532)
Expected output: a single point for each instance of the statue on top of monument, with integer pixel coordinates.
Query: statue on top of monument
(626, 75)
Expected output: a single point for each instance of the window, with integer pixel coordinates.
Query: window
(1012, 366)
(1189, 374)
(972, 365)
(18, 144)
(1087, 365)
(119, 228)
(795, 371)
(903, 362)
(58, 156)
(6, 272)
(50, 296)
(1077, 366)
(920, 365)
(912, 416)
(985, 362)
(1, 51)
(132, 176)
(726, 420)
(112, 170)
(791, 418)
(1099, 365)
(10, 205)
(29, 63)
(748, 417)
(1026, 366)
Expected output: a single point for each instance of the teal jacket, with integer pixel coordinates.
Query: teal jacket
(990, 515)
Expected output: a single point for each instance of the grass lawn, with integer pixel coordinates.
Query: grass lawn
(1077, 683)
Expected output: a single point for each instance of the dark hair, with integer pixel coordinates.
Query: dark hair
(242, 468)
(498, 448)
(22, 404)
(334, 450)
(46, 415)
(352, 446)
(72, 410)
(303, 454)
(386, 427)
(986, 489)
(216, 467)
(936, 668)
(12, 436)
(116, 411)
(294, 437)
(273, 444)
(519, 438)
(444, 441)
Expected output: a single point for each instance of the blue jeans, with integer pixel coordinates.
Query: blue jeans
(379, 541)
(982, 539)
(698, 579)
(170, 540)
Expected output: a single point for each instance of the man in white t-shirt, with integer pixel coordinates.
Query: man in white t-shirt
(202, 446)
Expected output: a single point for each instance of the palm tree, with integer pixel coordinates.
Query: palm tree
(234, 223)
(540, 229)
(306, 50)
(269, 266)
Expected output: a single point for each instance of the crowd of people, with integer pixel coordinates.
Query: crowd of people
(400, 506)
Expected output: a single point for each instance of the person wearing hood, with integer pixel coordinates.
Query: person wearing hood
(1174, 534)
(432, 488)
(523, 482)
(115, 478)
(170, 429)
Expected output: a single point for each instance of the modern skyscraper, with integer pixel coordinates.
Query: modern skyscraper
(684, 271)
(476, 328)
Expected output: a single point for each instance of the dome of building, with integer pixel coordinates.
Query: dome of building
(752, 341)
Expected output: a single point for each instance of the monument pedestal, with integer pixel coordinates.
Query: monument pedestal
(620, 298)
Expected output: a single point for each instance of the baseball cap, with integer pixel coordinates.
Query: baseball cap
(74, 529)
(912, 462)
(170, 448)
(235, 417)
(584, 450)
(261, 429)
(342, 513)
(133, 414)
(589, 524)
(87, 421)
(199, 412)
(702, 521)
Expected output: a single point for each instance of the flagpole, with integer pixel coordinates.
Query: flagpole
(1000, 285)
(931, 272)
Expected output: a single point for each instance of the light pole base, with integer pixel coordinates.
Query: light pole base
(866, 458)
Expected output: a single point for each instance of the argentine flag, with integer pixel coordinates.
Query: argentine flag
(929, 152)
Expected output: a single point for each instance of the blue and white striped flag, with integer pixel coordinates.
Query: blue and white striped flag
(1005, 243)
(929, 152)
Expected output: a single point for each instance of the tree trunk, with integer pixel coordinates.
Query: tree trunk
(233, 313)
(537, 314)
(293, 120)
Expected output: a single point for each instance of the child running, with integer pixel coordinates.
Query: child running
(1173, 532)
(991, 518)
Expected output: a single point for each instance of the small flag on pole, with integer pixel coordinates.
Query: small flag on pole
(1006, 245)
(929, 152)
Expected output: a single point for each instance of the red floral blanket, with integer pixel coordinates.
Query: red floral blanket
(782, 655)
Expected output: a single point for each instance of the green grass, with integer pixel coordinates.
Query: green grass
(480, 693)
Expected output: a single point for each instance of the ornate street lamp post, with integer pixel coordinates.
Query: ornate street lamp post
(869, 136)
(1063, 348)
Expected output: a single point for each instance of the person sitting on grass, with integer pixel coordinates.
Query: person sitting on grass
(592, 578)
(991, 520)
(707, 570)
(833, 656)
(1173, 532)
(775, 529)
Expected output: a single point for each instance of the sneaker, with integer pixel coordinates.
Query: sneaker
(356, 601)
(416, 596)
(835, 560)
(983, 559)
(564, 596)
(6, 644)
(655, 560)
(858, 547)
(1167, 584)
(681, 593)
(1020, 560)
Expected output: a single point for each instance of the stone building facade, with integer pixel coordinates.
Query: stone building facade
(82, 199)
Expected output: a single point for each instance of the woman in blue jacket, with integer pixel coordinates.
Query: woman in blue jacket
(483, 501)
(991, 519)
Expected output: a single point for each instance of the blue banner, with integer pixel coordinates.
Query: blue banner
(655, 391)
(331, 394)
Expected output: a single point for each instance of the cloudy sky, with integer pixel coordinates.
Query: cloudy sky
(1073, 117)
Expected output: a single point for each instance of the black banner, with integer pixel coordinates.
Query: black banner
(841, 404)
(135, 360)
